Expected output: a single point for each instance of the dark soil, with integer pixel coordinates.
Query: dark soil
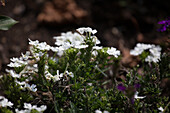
(120, 23)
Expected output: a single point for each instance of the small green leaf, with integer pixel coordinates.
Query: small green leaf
(6, 22)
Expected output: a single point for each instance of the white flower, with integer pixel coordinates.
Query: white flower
(95, 53)
(57, 77)
(13, 74)
(27, 106)
(144, 46)
(138, 97)
(140, 47)
(26, 56)
(86, 29)
(81, 46)
(113, 51)
(69, 39)
(22, 111)
(55, 49)
(35, 43)
(30, 69)
(20, 83)
(95, 40)
(31, 88)
(41, 46)
(136, 51)
(97, 47)
(155, 52)
(4, 102)
(13, 64)
(105, 112)
(48, 75)
(161, 109)
(59, 40)
(1, 97)
(39, 109)
(67, 45)
(98, 111)
(90, 84)
(17, 62)
(70, 74)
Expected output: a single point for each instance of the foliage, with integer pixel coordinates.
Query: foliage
(6, 22)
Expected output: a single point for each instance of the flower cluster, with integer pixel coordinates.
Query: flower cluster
(58, 76)
(83, 30)
(41, 46)
(154, 52)
(72, 77)
(165, 24)
(18, 62)
(74, 40)
(28, 108)
(98, 111)
(4, 102)
(113, 51)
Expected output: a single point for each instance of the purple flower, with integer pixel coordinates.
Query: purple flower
(165, 24)
(132, 100)
(137, 86)
(121, 87)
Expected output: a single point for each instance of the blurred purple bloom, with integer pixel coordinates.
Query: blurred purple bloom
(132, 100)
(165, 24)
(137, 86)
(130, 91)
(121, 87)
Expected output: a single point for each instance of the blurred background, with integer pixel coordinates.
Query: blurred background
(120, 23)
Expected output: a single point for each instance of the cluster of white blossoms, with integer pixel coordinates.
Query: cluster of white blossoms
(75, 40)
(29, 60)
(58, 75)
(155, 54)
(65, 41)
(28, 107)
(4, 102)
(18, 62)
(155, 51)
(113, 51)
(161, 109)
(41, 46)
(83, 30)
(69, 39)
(24, 85)
(98, 111)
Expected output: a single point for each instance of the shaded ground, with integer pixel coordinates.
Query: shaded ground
(120, 23)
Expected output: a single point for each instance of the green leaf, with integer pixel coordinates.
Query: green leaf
(6, 22)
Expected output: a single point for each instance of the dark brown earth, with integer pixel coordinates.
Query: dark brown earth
(120, 23)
